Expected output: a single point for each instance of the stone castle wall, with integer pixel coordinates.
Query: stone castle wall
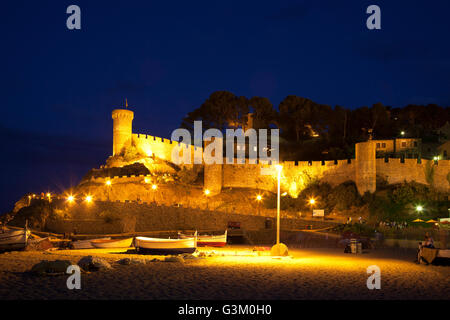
(152, 217)
(362, 170)
(396, 171)
(161, 147)
(295, 175)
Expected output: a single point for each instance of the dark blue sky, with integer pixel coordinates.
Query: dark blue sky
(58, 87)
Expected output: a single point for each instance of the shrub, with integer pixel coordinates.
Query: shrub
(411, 192)
(132, 153)
(382, 209)
(286, 203)
(344, 196)
(187, 176)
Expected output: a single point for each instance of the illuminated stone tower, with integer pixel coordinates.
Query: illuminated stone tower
(122, 129)
(366, 167)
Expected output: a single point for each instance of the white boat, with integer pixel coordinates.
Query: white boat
(114, 243)
(159, 246)
(13, 239)
(209, 240)
(86, 244)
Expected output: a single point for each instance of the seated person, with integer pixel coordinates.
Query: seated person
(429, 242)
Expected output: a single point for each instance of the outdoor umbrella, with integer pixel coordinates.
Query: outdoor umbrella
(418, 220)
(431, 221)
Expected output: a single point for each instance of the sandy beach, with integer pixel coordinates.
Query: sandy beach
(232, 273)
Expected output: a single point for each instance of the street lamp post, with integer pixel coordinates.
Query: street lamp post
(207, 192)
(259, 198)
(154, 188)
(108, 187)
(279, 249)
(312, 202)
(279, 168)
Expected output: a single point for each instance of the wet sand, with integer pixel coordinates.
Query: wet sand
(233, 273)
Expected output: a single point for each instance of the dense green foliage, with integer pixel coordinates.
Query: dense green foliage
(400, 203)
(314, 131)
(390, 203)
(341, 197)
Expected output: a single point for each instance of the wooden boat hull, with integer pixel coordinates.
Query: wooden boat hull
(109, 244)
(209, 241)
(165, 252)
(211, 244)
(157, 246)
(13, 239)
(85, 244)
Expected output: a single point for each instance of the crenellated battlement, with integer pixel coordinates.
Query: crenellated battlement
(120, 114)
(247, 174)
(411, 162)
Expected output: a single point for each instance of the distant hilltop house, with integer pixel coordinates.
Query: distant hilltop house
(399, 147)
(444, 131)
(444, 151)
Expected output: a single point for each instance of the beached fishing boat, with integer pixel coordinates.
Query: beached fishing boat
(209, 240)
(85, 244)
(13, 239)
(158, 246)
(114, 243)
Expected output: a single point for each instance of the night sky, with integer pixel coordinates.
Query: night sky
(58, 87)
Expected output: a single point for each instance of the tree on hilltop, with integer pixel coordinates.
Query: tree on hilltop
(221, 109)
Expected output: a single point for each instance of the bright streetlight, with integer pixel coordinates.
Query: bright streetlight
(419, 208)
(259, 198)
(88, 199)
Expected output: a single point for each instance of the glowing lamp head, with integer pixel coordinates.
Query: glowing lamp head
(70, 198)
(88, 199)
(402, 133)
(108, 183)
(154, 187)
(279, 167)
(48, 195)
(207, 192)
(147, 180)
(312, 201)
(259, 197)
(419, 208)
